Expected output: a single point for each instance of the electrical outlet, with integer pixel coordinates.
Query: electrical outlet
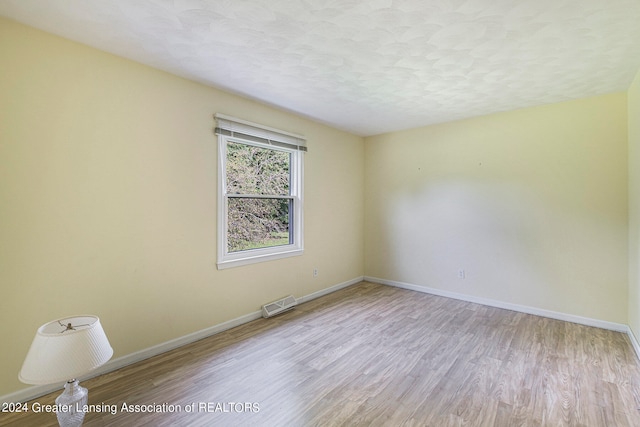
(461, 274)
(315, 272)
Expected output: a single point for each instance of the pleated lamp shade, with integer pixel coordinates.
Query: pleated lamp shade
(65, 349)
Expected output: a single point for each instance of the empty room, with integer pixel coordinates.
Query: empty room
(320, 213)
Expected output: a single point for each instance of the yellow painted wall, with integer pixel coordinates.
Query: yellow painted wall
(532, 204)
(634, 205)
(108, 200)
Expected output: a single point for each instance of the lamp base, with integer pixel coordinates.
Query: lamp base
(71, 404)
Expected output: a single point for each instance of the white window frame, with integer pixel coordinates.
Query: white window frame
(231, 129)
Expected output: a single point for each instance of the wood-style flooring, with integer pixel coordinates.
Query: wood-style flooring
(374, 355)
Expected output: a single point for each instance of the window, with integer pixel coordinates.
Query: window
(259, 193)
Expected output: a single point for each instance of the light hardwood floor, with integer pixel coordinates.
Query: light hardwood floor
(377, 355)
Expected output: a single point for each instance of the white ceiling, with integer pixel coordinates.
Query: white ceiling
(367, 67)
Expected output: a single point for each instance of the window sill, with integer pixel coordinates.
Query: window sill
(247, 258)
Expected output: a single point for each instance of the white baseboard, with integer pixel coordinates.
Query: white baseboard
(114, 364)
(329, 290)
(618, 327)
(634, 342)
(34, 392)
(37, 391)
(506, 305)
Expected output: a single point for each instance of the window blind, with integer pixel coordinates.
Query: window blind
(234, 127)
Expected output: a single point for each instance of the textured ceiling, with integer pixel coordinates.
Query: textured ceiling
(367, 66)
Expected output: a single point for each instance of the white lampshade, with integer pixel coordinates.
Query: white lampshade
(60, 352)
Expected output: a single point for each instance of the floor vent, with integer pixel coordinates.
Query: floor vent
(279, 306)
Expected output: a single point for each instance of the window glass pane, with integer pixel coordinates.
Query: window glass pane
(257, 170)
(258, 223)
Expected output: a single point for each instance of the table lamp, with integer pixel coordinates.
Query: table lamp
(63, 350)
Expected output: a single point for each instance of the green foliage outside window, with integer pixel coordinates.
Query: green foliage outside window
(263, 221)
